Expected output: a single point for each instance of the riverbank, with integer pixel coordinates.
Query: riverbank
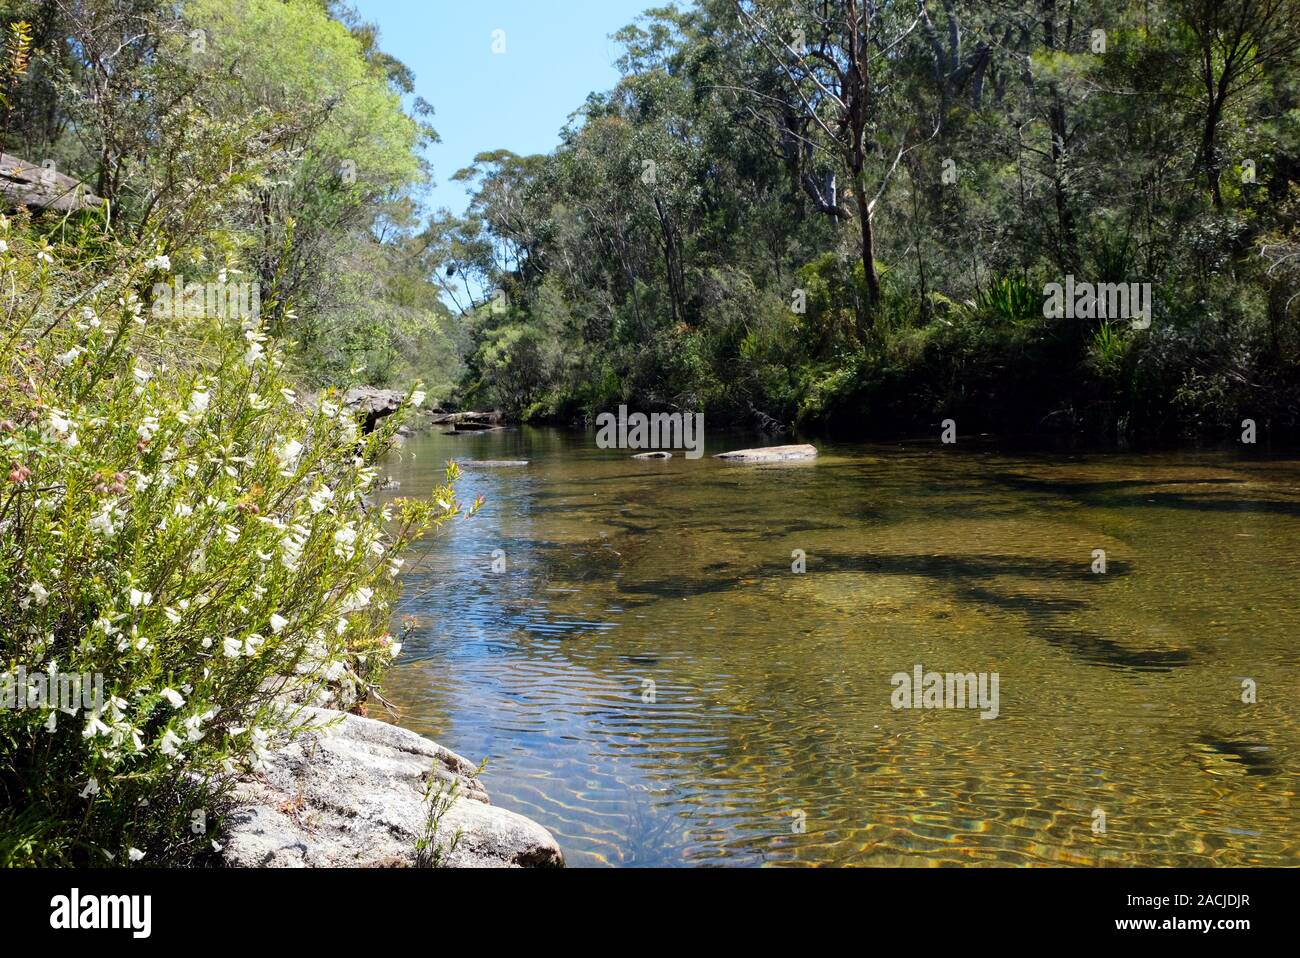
(349, 791)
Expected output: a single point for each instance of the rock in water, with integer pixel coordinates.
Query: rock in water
(352, 794)
(771, 454)
(653, 455)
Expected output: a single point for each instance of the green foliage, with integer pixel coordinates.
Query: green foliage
(439, 795)
(1007, 299)
(149, 100)
(687, 210)
(177, 523)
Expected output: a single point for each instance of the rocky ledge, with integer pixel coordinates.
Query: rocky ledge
(374, 404)
(350, 792)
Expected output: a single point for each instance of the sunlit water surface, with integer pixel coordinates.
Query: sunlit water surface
(768, 736)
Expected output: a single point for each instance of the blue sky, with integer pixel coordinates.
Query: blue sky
(556, 52)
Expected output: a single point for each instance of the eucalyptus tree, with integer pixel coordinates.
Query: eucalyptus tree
(841, 60)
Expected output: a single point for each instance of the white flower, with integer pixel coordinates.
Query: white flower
(417, 397)
(92, 788)
(4, 247)
(102, 524)
(60, 422)
(174, 698)
(148, 426)
(139, 598)
(257, 402)
(320, 498)
(278, 622)
(162, 261)
(192, 730)
(170, 741)
(289, 452)
(199, 400)
(68, 358)
(135, 854)
(344, 538)
(95, 727)
(233, 648)
(142, 376)
(39, 593)
(358, 600)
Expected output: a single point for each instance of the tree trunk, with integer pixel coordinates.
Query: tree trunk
(1210, 152)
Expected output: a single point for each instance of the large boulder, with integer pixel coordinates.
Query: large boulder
(771, 454)
(350, 791)
(37, 187)
(372, 403)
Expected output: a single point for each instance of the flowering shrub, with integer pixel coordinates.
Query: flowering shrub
(174, 518)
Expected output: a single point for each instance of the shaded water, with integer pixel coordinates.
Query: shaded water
(768, 735)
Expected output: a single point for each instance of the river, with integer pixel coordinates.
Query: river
(649, 678)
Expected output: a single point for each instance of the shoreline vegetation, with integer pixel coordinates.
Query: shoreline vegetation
(223, 303)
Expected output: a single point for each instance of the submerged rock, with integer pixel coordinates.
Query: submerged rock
(771, 454)
(490, 463)
(352, 793)
(492, 418)
(653, 455)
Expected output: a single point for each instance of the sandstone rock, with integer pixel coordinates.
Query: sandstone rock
(350, 791)
(23, 183)
(468, 417)
(374, 404)
(771, 454)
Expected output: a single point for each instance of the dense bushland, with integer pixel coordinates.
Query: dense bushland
(845, 215)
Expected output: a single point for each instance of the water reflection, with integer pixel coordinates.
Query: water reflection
(770, 703)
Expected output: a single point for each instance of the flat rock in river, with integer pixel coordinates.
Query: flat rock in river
(771, 454)
(350, 791)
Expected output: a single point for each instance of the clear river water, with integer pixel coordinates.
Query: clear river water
(649, 678)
